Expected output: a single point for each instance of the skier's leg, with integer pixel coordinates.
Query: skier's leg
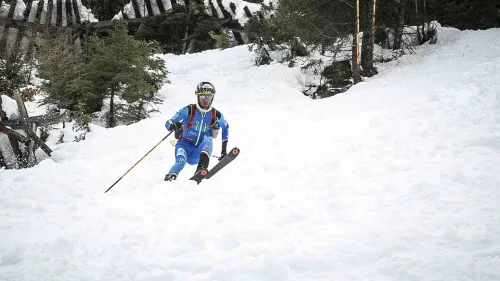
(203, 152)
(182, 152)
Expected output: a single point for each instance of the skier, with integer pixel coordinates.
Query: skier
(195, 126)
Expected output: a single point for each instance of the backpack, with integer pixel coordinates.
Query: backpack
(214, 114)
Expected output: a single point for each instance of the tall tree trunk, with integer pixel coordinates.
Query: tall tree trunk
(2, 161)
(398, 30)
(3, 115)
(5, 33)
(368, 38)
(140, 109)
(425, 22)
(111, 117)
(417, 20)
(185, 44)
(355, 48)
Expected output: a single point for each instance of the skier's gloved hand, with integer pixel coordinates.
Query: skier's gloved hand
(223, 151)
(215, 130)
(177, 127)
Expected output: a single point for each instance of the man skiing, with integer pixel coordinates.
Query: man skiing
(195, 126)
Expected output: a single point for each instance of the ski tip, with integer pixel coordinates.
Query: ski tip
(235, 151)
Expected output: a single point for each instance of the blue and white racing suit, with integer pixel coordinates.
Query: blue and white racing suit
(196, 136)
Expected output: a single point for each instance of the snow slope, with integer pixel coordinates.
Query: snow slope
(396, 179)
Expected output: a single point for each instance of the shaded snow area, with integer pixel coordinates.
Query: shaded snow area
(396, 179)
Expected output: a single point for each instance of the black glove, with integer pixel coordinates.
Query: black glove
(177, 127)
(223, 151)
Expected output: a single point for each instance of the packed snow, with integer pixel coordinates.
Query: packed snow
(395, 179)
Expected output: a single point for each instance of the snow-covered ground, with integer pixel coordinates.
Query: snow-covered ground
(396, 179)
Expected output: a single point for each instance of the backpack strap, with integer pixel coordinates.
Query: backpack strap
(191, 112)
(215, 115)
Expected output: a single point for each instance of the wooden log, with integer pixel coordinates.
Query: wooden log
(5, 33)
(59, 12)
(31, 157)
(124, 15)
(76, 11)
(3, 115)
(13, 134)
(48, 15)
(149, 7)
(27, 11)
(137, 10)
(39, 10)
(12, 9)
(70, 17)
(23, 113)
(14, 144)
(212, 9)
(31, 133)
(232, 6)
(42, 120)
(247, 12)
(2, 161)
(238, 37)
(161, 7)
(15, 46)
(225, 13)
(229, 24)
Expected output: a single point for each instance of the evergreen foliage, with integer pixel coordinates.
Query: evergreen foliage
(60, 67)
(221, 39)
(14, 73)
(118, 75)
(124, 70)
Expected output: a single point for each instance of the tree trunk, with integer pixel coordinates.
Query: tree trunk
(5, 34)
(355, 48)
(17, 152)
(368, 38)
(417, 20)
(139, 111)
(425, 22)
(190, 46)
(3, 115)
(185, 43)
(2, 161)
(111, 117)
(398, 30)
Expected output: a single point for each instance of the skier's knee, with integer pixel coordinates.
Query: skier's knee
(180, 159)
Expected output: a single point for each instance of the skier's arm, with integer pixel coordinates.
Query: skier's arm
(225, 128)
(225, 135)
(180, 116)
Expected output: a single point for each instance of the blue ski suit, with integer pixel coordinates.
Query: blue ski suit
(196, 136)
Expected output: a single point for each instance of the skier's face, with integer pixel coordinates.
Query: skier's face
(205, 100)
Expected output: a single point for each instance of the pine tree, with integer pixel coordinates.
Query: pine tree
(61, 68)
(127, 73)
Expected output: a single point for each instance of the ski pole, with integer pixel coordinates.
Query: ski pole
(138, 161)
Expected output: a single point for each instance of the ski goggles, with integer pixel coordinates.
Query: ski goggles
(206, 97)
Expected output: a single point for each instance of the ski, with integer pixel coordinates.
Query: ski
(198, 177)
(204, 174)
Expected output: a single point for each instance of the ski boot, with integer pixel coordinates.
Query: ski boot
(203, 165)
(170, 177)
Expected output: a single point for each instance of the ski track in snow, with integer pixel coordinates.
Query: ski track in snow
(396, 179)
